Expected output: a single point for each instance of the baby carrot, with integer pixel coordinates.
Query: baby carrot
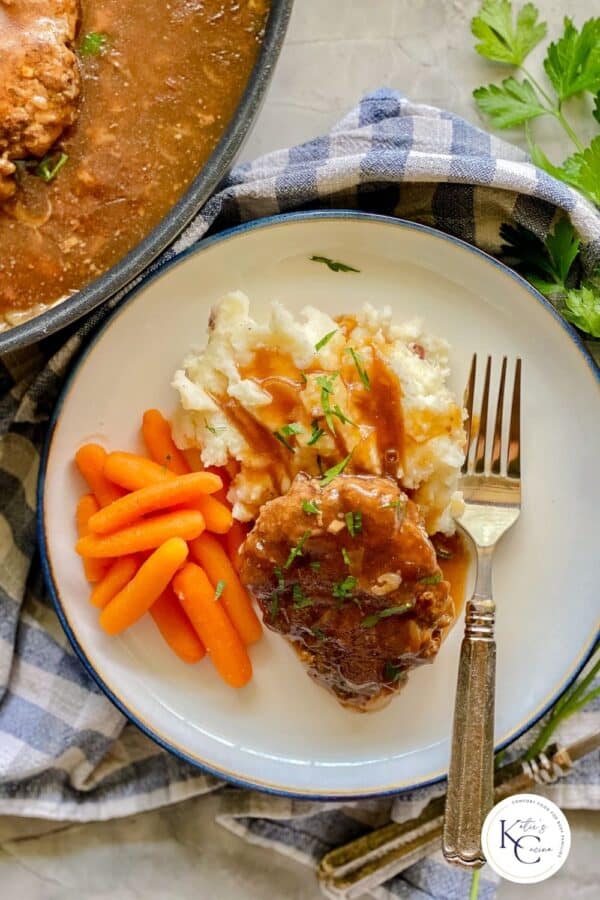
(217, 516)
(197, 596)
(194, 461)
(234, 539)
(224, 476)
(145, 587)
(209, 553)
(185, 524)
(119, 574)
(90, 461)
(156, 432)
(88, 505)
(176, 628)
(177, 491)
(132, 471)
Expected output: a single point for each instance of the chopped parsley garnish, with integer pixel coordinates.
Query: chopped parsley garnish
(212, 428)
(325, 339)
(360, 368)
(310, 508)
(336, 411)
(93, 44)
(343, 589)
(50, 166)
(301, 601)
(392, 672)
(315, 565)
(221, 585)
(332, 473)
(373, 619)
(274, 607)
(325, 382)
(315, 434)
(345, 556)
(318, 633)
(285, 432)
(431, 579)
(333, 264)
(353, 523)
(297, 550)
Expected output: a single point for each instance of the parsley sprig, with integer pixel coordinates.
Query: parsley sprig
(387, 613)
(553, 267)
(572, 67)
(507, 35)
(296, 550)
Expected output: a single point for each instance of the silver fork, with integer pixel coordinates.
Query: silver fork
(492, 492)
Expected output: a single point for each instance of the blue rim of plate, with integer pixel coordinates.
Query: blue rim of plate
(161, 269)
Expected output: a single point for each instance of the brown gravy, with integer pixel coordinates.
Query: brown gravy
(154, 104)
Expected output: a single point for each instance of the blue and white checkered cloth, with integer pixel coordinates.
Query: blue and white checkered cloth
(65, 751)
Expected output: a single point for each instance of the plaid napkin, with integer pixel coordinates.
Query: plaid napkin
(65, 751)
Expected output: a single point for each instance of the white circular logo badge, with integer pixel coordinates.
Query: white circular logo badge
(526, 838)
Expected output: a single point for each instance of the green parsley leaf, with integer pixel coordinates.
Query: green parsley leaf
(333, 264)
(431, 579)
(373, 619)
(573, 62)
(325, 382)
(315, 434)
(500, 39)
(511, 104)
(214, 429)
(345, 556)
(274, 606)
(318, 633)
(93, 44)
(325, 339)
(285, 432)
(582, 170)
(337, 412)
(315, 565)
(297, 550)
(343, 589)
(392, 672)
(310, 508)
(334, 471)
(546, 265)
(359, 363)
(596, 112)
(353, 523)
(280, 579)
(582, 308)
(221, 585)
(301, 601)
(50, 166)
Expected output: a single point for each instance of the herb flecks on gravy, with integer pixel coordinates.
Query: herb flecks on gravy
(159, 83)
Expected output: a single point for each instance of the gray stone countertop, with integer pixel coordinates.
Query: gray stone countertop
(335, 51)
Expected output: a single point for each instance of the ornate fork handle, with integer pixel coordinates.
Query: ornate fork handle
(471, 777)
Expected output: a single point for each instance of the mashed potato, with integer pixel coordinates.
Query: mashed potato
(306, 394)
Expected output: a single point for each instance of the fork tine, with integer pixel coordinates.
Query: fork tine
(468, 405)
(479, 460)
(513, 462)
(497, 445)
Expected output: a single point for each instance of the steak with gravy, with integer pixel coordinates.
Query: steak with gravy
(39, 79)
(346, 572)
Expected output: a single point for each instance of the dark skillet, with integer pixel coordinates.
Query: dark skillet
(181, 213)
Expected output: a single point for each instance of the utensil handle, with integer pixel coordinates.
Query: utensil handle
(470, 792)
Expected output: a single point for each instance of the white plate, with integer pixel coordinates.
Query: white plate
(283, 732)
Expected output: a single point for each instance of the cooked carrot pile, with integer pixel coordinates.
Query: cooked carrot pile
(156, 536)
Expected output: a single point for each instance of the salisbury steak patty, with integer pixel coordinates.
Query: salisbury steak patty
(39, 79)
(346, 571)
